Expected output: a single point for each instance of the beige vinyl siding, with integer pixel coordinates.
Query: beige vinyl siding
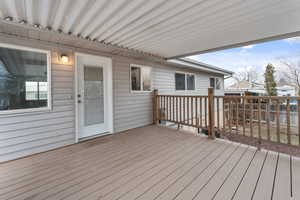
(134, 109)
(29, 133)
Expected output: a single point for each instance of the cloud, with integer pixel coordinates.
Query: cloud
(293, 40)
(248, 46)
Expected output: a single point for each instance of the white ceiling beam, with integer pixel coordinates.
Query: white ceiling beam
(60, 13)
(95, 10)
(74, 13)
(45, 8)
(12, 9)
(181, 21)
(235, 21)
(131, 7)
(173, 9)
(137, 15)
(105, 15)
(255, 30)
(200, 22)
(29, 11)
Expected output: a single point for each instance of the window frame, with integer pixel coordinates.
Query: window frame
(185, 80)
(49, 97)
(141, 79)
(215, 82)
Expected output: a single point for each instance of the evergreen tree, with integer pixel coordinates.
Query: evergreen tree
(270, 83)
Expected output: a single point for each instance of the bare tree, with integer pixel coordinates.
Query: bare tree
(249, 75)
(292, 74)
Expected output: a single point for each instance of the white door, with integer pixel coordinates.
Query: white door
(94, 101)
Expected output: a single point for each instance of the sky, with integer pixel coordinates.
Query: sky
(255, 57)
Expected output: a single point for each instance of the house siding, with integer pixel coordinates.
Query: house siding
(30, 133)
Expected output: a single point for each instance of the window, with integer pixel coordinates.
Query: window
(184, 81)
(215, 83)
(140, 78)
(23, 78)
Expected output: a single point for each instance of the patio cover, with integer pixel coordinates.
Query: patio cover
(166, 28)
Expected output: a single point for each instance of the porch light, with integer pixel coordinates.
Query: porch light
(64, 58)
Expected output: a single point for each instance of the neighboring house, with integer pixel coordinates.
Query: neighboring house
(257, 89)
(62, 95)
(244, 87)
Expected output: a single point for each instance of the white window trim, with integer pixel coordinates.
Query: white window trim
(185, 80)
(49, 100)
(142, 89)
(215, 81)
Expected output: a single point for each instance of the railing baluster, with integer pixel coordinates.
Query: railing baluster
(268, 118)
(201, 112)
(251, 118)
(224, 119)
(277, 120)
(197, 119)
(244, 116)
(173, 102)
(205, 110)
(218, 113)
(259, 118)
(237, 117)
(288, 121)
(176, 98)
(180, 111)
(184, 112)
(298, 105)
(229, 116)
(192, 110)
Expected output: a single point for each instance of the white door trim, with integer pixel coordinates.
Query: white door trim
(108, 62)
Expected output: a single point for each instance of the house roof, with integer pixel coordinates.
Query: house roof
(244, 84)
(201, 66)
(164, 28)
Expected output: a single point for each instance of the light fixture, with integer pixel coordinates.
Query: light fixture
(64, 58)
(8, 18)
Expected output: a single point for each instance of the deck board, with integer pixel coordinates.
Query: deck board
(265, 184)
(247, 186)
(152, 163)
(282, 185)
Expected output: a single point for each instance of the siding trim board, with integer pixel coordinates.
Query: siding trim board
(24, 134)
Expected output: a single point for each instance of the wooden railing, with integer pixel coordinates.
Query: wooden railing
(274, 119)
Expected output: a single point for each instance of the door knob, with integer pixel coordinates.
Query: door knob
(78, 101)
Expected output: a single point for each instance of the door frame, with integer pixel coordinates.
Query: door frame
(108, 63)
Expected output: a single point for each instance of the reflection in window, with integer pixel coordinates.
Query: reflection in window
(184, 81)
(140, 78)
(23, 79)
(190, 79)
(215, 83)
(36, 90)
(135, 78)
(180, 81)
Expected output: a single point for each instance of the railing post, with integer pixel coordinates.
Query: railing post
(155, 107)
(211, 113)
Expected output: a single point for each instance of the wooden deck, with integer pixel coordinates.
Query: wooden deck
(152, 163)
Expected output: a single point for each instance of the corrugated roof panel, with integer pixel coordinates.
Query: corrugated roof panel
(162, 27)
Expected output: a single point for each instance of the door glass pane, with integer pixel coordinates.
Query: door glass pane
(93, 95)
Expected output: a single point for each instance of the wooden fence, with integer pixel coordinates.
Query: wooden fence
(274, 119)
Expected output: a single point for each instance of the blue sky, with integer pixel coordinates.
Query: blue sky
(255, 56)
